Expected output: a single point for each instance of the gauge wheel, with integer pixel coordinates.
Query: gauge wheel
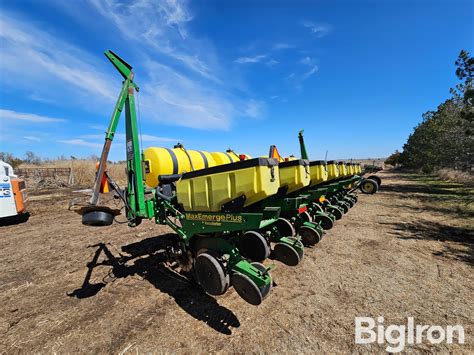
(309, 236)
(254, 246)
(210, 274)
(286, 254)
(285, 227)
(324, 221)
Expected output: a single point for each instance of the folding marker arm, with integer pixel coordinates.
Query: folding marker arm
(135, 188)
(304, 154)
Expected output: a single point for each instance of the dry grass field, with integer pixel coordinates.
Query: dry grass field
(405, 252)
(83, 171)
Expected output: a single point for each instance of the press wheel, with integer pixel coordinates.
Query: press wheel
(246, 288)
(285, 227)
(309, 235)
(354, 197)
(254, 246)
(286, 254)
(318, 207)
(336, 212)
(300, 251)
(324, 221)
(306, 217)
(344, 205)
(349, 201)
(210, 274)
(264, 290)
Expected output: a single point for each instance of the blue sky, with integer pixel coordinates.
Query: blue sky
(356, 75)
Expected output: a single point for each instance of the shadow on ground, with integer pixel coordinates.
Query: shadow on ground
(431, 189)
(147, 258)
(448, 211)
(17, 219)
(452, 201)
(458, 242)
(435, 195)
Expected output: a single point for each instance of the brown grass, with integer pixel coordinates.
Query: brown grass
(375, 161)
(84, 170)
(464, 177)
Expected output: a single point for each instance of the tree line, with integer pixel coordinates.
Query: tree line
(445, 137)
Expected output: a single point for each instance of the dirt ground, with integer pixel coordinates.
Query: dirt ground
(396, 254)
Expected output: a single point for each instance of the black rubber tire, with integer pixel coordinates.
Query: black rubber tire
(246, 288)
(306, 217)
(265, 290)
(210, 274)
(324, 221)
(369, 187)
(300, 251)
(97, 218)
(344, 205)
(336, 212)
(377, 179)
(286, 254)
(285, 227)
(318, 207)
(309, 236)
(349, 201)
(353, 197)
(254, 246)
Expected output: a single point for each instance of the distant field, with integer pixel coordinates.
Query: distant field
(369, 161)
(83, 173)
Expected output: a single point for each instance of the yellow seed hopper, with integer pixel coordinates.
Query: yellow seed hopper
(318, 171)
(342, 169)
(333, 170)
(294, 173)
(241, 184)
(165, 161)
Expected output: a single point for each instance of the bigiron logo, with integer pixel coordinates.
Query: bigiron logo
(203, 217)
(397, 336)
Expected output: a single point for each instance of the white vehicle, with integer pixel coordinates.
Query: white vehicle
(13, 196)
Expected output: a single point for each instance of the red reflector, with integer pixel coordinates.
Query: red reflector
(302, 209)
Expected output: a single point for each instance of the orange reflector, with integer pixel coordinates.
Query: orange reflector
(104, 184)
(274, 153)
(97, 166)
(302, 209)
